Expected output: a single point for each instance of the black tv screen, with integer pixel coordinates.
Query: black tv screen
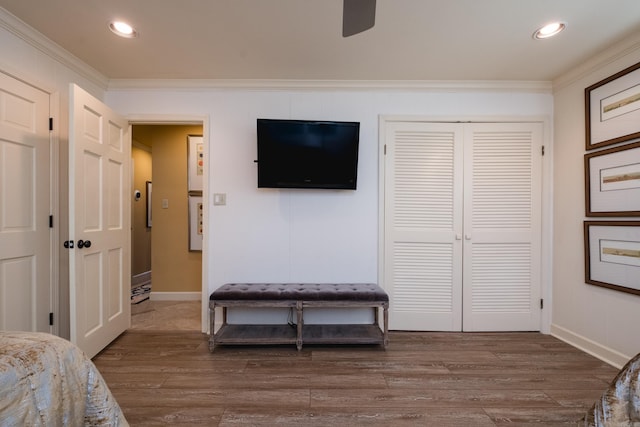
(307, 154)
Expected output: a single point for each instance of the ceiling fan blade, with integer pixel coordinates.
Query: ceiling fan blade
(358, 16)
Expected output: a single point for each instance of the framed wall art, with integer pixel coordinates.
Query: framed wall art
(195, 165)
(612, 109)
(612, 255)
(196, 222)
(612, 181)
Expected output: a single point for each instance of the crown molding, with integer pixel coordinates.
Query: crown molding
(607, 56)
(37, 40)
(332, 85)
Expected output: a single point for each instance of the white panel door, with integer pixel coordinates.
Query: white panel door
(423, 222)
(502, 227)
(99, 207)
(25, 246)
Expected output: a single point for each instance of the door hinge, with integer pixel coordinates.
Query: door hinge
(50, 221)
(543, 150)
(50, 319)
(385, 149)
(50, 123)
(541, 303)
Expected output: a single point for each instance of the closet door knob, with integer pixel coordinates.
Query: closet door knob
(467, 236)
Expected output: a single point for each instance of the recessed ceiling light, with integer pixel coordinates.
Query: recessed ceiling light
(123, 29)
(549, 30)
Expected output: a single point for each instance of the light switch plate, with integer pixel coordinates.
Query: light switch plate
(219, 199)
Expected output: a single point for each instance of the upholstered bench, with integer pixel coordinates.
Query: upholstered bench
(298, 296)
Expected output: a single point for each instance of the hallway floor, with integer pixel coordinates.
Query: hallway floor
(166, 315)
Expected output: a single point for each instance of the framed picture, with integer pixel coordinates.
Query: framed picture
(612, 255)
(612, 109)
(149, 188)
(612, 181)
(196, 222)
(195, 162)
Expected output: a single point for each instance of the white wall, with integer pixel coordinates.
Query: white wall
(267, 235)
(293, 235)
(601, 321)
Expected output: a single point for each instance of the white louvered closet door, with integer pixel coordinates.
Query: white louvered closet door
(502, 227)
(462, 225)
(423, 211)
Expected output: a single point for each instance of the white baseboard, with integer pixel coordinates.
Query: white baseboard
(175, 296)
(595, 349)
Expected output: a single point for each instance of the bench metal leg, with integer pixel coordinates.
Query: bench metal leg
(300, 325)
(385, 319)
(212, 325)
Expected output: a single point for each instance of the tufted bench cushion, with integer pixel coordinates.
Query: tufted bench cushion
(364, 292)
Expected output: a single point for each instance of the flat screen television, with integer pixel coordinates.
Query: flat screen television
(307, 154)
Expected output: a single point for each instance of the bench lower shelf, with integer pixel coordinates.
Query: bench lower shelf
(256, 334)
(342, 334)
(311, 334)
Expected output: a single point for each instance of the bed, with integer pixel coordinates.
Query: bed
(47, 381)
(619, 405)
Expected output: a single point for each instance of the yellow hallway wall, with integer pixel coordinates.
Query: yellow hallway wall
(174, 267)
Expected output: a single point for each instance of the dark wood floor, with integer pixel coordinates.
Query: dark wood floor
(439, 379)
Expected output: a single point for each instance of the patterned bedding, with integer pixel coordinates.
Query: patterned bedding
(619, 405)
(47, 381)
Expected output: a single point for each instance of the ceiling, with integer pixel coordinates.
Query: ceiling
(302, 39)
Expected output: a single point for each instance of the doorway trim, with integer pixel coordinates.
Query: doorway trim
(546, 249)
(201, 120)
